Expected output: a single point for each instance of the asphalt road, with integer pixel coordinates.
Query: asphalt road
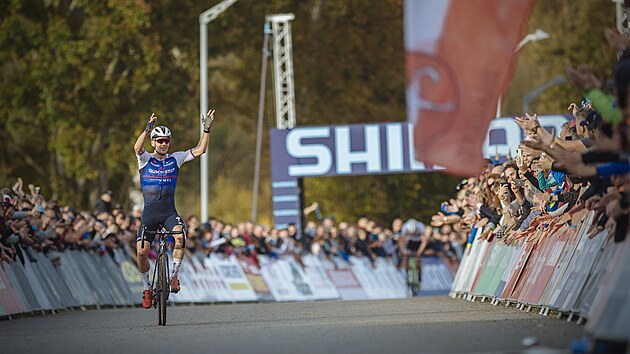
(418, 325)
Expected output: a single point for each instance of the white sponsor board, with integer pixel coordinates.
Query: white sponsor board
(280, 287)
(323, 288)
(231, 273)
(342, 276)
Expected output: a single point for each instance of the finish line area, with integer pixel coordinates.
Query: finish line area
(418, 325)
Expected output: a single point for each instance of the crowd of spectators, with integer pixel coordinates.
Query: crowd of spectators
(557, 177)
(365, 238)
(30, 223)
(584, 167)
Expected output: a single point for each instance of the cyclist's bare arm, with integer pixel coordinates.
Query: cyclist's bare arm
(139, 145)
(206, 122)
(402, 242)
(423, 245)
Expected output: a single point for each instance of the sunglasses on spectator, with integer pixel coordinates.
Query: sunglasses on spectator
(163, 141)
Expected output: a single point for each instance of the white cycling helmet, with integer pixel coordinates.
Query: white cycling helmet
(160, 132)
(412, 226)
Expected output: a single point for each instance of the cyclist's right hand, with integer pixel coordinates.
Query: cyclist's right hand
(151, 122)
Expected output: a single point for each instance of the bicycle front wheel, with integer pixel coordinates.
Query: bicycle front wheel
(163, 288)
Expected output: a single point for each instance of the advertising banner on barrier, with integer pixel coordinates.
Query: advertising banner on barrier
(596, 276)
(212, 275)
(393, 280)
(131, 275)
(342, 276)
(579, 269)
(532, 281)
(514, 256)
(199, 283)
(608, 317)
(252, 272)
(476, 259)
(322, 286)
(482, 261)
(291, 271)
(568, 267)
(517, 270)
(10, 304)
(488, 270)
(557, 281)
(436, 277)
(190, 284)
(554, 246)
(234, 278)
(489, 280)
(465, 267)
(361, 267)
(281, 288)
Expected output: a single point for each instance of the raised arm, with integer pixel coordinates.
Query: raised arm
(206, 122)
(139, 145)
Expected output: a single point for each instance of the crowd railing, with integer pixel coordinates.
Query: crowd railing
(567, 271)
(83, 279)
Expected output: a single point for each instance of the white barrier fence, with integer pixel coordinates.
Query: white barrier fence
(555, 268)
(73, 279)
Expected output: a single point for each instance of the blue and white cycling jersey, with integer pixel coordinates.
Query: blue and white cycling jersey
(159, 177)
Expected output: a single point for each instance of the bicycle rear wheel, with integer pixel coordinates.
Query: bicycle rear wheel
(412, 277)
(162, 288)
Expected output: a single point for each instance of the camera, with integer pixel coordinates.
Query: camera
(519, 182)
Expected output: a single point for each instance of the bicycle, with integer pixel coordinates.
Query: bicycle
(160, 290)
(414, 275)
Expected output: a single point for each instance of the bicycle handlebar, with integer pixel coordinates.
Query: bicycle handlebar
(166, 232)
(158, 232)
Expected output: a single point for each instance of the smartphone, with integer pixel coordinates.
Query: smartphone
(519, 182)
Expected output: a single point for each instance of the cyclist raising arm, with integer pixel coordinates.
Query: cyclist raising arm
(158, 177)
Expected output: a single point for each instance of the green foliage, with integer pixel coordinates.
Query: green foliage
(80, 78)
(576, 31)
(380, 197)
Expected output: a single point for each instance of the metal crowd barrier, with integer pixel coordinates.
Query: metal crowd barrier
(556, 269)
(76, 279)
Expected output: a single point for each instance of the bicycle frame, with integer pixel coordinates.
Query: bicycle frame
(162, 259)
(161, 233)
(413, 274)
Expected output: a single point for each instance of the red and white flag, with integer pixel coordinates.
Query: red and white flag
(460, 56)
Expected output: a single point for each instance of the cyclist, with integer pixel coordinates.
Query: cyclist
(158, 177)
(413, 242)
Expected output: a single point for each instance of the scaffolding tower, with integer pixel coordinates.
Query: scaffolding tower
(283, 69)
(622, 9)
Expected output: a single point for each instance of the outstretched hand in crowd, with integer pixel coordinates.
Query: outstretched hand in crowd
(582, 77)
(616, 39)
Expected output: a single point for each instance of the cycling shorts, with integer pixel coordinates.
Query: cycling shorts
(156, 215)
(413, 246)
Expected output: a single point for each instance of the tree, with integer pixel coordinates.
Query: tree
(576, 29)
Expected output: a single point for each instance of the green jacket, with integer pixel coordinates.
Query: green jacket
(606, 104)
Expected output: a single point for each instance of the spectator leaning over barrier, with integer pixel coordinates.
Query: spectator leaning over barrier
(158, 173)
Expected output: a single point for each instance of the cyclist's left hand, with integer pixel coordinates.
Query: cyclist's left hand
(207, 120)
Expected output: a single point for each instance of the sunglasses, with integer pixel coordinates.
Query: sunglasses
(163, 141)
